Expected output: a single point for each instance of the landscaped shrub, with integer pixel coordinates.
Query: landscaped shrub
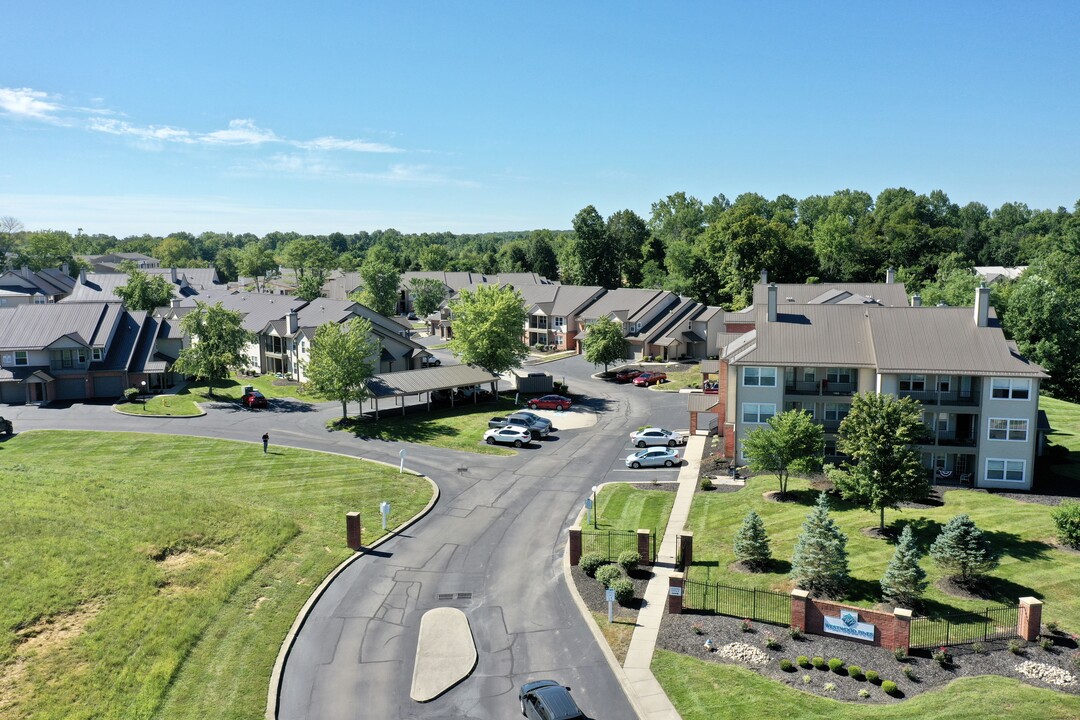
(707, 484)
(864, 693)
(854, 671)
(624, 590)
(818, 662)
(131, 394)
(591, 562)
(909, 672)
(1067, 518)
(628, 560)
(900, 654)
(977, 647)
(786, 665)
(872, 676)
(963, 550)
(829, 687)
(795, 633)
(803, 661)
(698, 628)
(836, 665)
(608, 574)
(1046, 643)
(941, 656)
(752, 542)
(746, 625)
(1016, 646)
(806, 679)
(904, 581)
(889, 687)
(771, 642)
(1051, 626)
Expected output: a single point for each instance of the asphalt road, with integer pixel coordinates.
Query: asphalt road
(493, 543)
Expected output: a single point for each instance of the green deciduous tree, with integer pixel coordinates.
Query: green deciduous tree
(310, 285)
(144, 291)
(752, 542)
(177, 251)
(428, 295)
(627, 233)
(819, 563)
(381, 280)
(904, 581)
(434, 258)
(254, 261)
(488, 326)
(880, 434)
(308, 254)
(343, 359)
(217, 341)
(793, 442)
(541, 255)
(604, 342)
(963, 550)
(598, 264)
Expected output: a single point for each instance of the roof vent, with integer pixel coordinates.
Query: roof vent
(791, 299)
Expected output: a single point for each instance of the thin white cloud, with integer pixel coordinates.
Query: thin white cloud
(240, 132)
(150, 132)
(26, 102)
(333, 143)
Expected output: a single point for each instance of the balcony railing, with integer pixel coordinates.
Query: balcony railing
(952, 437)
(821, 387)
(930, 397)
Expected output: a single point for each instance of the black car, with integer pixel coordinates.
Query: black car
(548, 700)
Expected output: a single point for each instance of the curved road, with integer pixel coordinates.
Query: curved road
(492, 546)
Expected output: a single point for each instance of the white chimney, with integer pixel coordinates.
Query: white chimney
(982, 305)
(172, 275)
(26, 271)
(292, 323)
(82, 276)
(65, 269)
(916, 300)
(764, 277)
(772, 302)
(174, 302)
(890, 276)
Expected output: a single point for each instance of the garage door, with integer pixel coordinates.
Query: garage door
(70, 388)
(108, 386)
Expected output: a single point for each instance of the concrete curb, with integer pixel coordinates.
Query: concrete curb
(601, 641)
(273, 695)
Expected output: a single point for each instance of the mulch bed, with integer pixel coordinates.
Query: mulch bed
(593, 593)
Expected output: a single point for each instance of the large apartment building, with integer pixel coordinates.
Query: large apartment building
(813, 347)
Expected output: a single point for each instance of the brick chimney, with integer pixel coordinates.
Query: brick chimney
(982, 305)
(772, 302)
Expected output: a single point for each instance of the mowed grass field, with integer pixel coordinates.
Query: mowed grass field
(151, 576)
(628, 507)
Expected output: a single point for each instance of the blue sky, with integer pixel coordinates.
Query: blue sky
(130, 117)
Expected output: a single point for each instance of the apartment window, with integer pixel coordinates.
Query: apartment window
(759, 377)
(1011, 388)
(757, 412)
(21, 357)
(1008, 429)
(839, 375)
(944, 384)
(97, 354)
(559, 321)
(807, 408)
(809, 375)
(41, 300)
(912, 383)
(836, 411)
(1005, 470)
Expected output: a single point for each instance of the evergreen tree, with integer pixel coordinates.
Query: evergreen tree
(752, 543)
(819, 563)
(963, 550)
(904, 581)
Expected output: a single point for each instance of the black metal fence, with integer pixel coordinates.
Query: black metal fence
(760, 605)
(992, 623)
(610, 543)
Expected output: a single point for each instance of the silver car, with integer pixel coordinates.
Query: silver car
(654, 457)
(656, 436)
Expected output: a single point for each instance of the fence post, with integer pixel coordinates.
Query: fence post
(352, 530)
(798, 608)
(1029, 618)
(901, 629)
(675, 593)
(644, 546)
(687, 548)
(575, 545)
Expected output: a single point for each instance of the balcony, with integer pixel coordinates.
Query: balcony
(956, 438)
(929, 397)
(821, 388)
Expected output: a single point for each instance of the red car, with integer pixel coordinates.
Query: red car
(254, 399)
(625, 376)
(650, 378)
(550, 402)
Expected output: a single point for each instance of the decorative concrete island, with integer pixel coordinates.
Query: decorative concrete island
(445, 653)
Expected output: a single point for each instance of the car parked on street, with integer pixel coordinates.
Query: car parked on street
(254, 399)
(538, 426)
(653, 457)
(656, 436)
(509, 435)
(550, 402)
(627, 375)
(650, 378)
(538, 420)
(548, 700)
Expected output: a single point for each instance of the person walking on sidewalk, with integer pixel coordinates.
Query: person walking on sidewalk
(266, 441)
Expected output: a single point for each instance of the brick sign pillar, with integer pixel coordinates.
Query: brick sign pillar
(686, 548)
(575, 545)
(1030, 618)
(901, 630)
(644, 545)
(675, 593)
(352, 530)
(798, 608)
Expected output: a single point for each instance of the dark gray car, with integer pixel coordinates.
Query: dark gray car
(548, 700)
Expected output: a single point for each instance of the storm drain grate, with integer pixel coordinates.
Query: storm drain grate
(445, 596)
(464, 596)
(452, 596)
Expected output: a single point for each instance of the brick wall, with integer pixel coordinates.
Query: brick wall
(892, 630)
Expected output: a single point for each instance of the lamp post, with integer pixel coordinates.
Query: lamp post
(595, 507)
(143, 383)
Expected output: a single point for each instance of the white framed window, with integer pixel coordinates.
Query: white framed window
(41, 300)
(758, 412)
(21, 358)
(1008, 429)
(1005, 470)
(559, 321)
(805, 407)
(838, 375)
(836, 411)
(809, 375)
(97, 354)
(1010, 388)
(944, 383)
(759, 377)
(913, 383)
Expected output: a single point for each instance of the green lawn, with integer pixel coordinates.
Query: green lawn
(702, 690)
(1024, 531)
(1065, 420)
(458, 428)
(152, 576)
(181, 404)
(625, 507)
(233, 388)
(676, 381)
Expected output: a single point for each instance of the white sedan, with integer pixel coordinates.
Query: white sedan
(511, 435)
(656, 436)
(653, 457)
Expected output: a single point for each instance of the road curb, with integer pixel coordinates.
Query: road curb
(273, 695)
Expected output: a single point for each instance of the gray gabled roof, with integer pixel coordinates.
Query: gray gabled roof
(559, 300)
(34, 327)
(625, 304)
(818, 335)
(258, 309)
(889, 294)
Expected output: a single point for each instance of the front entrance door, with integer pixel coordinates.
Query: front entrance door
(35, 392)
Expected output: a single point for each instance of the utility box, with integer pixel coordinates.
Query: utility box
(533, 382)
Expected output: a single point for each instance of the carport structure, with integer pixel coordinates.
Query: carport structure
(428, 380)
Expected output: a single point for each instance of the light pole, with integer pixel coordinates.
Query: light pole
(595, 507)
